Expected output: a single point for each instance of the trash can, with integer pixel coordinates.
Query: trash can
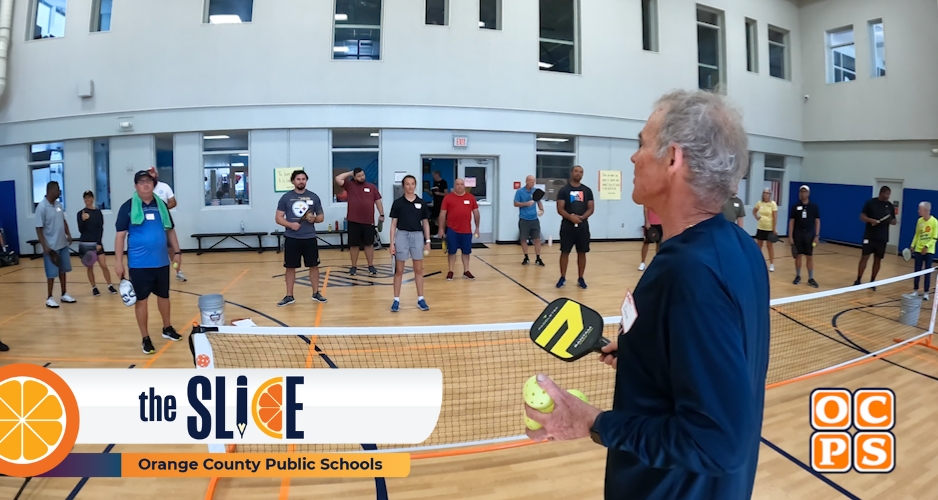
(910, 309)
(213, 310)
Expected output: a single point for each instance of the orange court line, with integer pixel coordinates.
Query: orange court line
(210, 491)
(194, 319)
(17, 315)
(312, 339)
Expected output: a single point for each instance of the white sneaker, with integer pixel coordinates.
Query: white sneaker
(180, 276)
(925, 297)
(50, 302)
(771, 268)
(641, 267)
(914, 293)
(68, 299)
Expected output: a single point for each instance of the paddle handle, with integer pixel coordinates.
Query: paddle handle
(603, 342)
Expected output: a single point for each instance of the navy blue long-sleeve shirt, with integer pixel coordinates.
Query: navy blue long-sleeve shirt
(690, 384)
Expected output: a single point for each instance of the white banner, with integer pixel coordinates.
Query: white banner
(260, 406)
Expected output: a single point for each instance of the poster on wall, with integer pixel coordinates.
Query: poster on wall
(282, 182)
(610, 185)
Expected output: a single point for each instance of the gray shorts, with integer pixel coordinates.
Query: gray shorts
(530, 229)
(408, 245)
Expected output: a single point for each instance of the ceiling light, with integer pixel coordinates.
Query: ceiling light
(552, 139)
(225, 19)
(341, 17)
(374, 134)
(216, 137)
(243, 154)
(545, 65)
(237, 164)
(342, 50)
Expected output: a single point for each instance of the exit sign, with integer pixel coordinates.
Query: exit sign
(460, 141)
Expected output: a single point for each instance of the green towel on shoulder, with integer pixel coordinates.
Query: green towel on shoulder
(136, 212)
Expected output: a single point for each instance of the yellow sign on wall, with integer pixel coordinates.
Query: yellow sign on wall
(282, 182)
(610, 185)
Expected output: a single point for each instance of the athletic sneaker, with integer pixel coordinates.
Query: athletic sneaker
(539, 261)
(857, 282)
(449, 276)
(170, 333)
(180, 276)
(581, 283)
(771, 268)
(68, 299)
(422, 304)
(561, 282)
(111, 289)
(641, 267)
(50, 302)
(94, 291)
(148, 346)
(925, 297)
(352, 271)
(319, 298)
(396, 306)
(797, 280)
(468, 275)
(4, 347)
(287, 300)
(526, 261)
(372, 270)
(814, 284)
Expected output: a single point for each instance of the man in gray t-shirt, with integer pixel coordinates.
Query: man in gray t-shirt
(297, 211)
(734, 210)
(54, 236)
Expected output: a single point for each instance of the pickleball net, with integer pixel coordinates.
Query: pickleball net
(485, 366)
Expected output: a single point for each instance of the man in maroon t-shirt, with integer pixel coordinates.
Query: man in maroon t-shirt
(363, 197)
(457, 212)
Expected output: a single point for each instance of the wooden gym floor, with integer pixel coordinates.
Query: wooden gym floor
(100, 332)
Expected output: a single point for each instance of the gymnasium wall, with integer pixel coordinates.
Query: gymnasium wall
(899, 106)
(251, 75)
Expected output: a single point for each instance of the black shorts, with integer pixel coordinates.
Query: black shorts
(360, 235)
(295, 249)
(804, 242)
(762, 234)
(651, 231)
(877, 248)
(153, 280)
(571, 236)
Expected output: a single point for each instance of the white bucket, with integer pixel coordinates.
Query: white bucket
(213, 310)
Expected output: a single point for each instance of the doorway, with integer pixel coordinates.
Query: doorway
(479, 176)
(896, 198)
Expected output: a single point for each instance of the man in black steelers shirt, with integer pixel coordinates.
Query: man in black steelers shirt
(878, 214)
(804, 227)
(575, 205)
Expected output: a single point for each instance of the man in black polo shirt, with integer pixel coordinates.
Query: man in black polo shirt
(575, 205)
(878, 214)
(804, 226)
(410, 239)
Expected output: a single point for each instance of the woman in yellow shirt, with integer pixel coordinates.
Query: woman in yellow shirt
(923, 245)
(766, 212)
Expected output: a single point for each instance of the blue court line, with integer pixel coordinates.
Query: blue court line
(81, 484)
(499, 271)
(811, 471)
(381, 487)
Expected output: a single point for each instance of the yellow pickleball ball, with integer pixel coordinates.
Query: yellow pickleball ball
(175, 265)
(426, 253)
(579, 394)
(535, 396)
(813, 244)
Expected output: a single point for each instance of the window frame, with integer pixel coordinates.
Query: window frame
(752, 45)
(31, 23)
(721, 47)
(206, 205)
(871, 31)
(786, 51)
(97, 197)
(832, 67)
(766, 168)
(206, 18)
(426, 20)
(575, 68)
(568, 154)
(32, 166)
(96, 17)
(334, 202)
(379, 27)
(650, 25)
(498, 16)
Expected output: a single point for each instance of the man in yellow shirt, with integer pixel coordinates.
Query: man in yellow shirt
(923, 245)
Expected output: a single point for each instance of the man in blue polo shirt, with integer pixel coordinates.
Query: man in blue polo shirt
(690, 375)
(144, 222)
(528, 224)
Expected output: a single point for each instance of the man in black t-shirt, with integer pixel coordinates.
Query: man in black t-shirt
(91, 227)
(804, 227)
(410, 239)
(878, 214)
(575, 206)
(439, 190)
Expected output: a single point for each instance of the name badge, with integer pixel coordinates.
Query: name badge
(804, 214)
(798, 207)
(309, 203)
(418, 205)
(629, 312)
(865, 242)
(465, 202)
(736, 205)
(367, 190)
(58, 209)
(151, 216)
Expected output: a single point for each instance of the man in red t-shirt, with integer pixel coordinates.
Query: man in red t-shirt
(458, 211)
(363, 197)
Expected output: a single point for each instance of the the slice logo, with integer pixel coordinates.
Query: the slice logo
(38, 420)
(267, 408)
(872, 412)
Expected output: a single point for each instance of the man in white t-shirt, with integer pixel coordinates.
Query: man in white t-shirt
(166, 194)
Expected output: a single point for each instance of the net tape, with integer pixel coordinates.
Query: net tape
(484, 366)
